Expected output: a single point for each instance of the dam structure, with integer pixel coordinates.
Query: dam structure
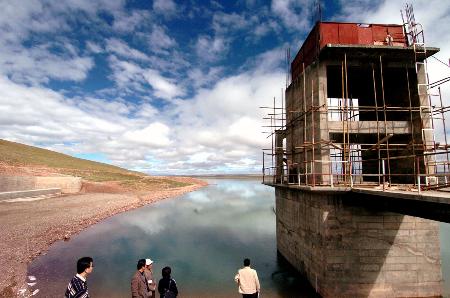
(360, 162)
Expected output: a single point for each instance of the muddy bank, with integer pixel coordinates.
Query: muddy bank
(29, 228)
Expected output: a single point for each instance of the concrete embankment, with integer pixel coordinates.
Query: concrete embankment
(27, 183)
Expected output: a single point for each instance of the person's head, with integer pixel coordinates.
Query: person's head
(140, 264)
(166, 271)
(148, 263)
(246, 262)
(85, 265)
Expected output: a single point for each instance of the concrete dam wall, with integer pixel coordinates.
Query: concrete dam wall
(20, 183)
(349, 251)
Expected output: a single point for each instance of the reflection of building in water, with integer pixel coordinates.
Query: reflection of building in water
(358, 129)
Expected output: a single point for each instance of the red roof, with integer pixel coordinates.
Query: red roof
(325, 33)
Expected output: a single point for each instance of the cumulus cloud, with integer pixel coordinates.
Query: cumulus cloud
(211, 49)
(38, 64)
(164, 87)
(120, 48)
(93, 47)
(295, 15)
(164, 7)
(155, 135)
(28, 59)
(38, 115)
(159, 39)
(128, 22)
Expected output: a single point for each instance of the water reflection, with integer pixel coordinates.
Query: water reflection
(203, 236)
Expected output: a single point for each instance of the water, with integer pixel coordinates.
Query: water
(203, 236)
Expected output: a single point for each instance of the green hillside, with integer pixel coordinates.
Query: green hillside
(16, 154)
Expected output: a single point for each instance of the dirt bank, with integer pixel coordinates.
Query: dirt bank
(29, 228)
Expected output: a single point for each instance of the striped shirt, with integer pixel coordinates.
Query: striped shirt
(77, 288)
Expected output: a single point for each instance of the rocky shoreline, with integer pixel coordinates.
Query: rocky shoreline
(30, 228)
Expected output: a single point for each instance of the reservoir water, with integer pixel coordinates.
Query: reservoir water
(203, 236)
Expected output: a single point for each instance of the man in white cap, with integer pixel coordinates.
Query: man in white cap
(148, 272)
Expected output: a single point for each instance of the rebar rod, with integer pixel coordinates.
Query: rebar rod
(385, 120)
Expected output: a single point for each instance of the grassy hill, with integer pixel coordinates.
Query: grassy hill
(20, 155)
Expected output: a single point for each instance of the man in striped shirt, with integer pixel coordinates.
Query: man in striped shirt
(77, 287)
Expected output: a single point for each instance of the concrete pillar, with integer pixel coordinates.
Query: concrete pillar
(322, 123)
(349, 251)
(427, 131)
(279, 172)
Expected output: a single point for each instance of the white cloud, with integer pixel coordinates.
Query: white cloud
(120, 48)
(159, 40)
(156, 135)
(164, 87)
(94, 47)
(130, 76)
(223, 22)
(38, 64)
(128, 22)
(164, 7)
(200, 78)
(211, 49)
(39, 61)
(295, 14)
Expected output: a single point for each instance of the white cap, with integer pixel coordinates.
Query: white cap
(148, 262)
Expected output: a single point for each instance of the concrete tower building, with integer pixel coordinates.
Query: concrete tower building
(356, 143)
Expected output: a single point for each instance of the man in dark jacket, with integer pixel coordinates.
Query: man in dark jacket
(77, 287)
(139, 283)
(167, 287)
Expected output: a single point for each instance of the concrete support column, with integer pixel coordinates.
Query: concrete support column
(279, 153)
(349, 251)
(427, 131)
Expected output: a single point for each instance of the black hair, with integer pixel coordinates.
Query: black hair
(247, 262)
(140, 264)
(166, 271)
(83, 264)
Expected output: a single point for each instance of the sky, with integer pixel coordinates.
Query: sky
(165, 86)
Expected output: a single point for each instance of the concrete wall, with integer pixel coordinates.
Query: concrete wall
(348, 251)
(16, 183)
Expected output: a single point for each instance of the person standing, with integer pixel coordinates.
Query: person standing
(77, 287)
(148, 272)
(139, 283)
(247, 280)
(167, 287)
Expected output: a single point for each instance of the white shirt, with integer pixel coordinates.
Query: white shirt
(248, 281)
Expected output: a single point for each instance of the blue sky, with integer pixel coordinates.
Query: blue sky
(164, 86)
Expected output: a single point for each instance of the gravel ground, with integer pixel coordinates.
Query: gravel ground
(29, 228)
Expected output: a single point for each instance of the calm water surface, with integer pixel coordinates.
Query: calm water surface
(202, 235)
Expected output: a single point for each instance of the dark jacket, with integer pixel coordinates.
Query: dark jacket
(139, 287)
(163, 285)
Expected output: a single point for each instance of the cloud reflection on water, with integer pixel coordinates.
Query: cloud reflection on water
(202, 235)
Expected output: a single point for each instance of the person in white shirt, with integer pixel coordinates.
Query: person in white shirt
(247, 280)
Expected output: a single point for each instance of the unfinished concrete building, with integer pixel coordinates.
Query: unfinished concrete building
(358, 111)
(356, 134)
